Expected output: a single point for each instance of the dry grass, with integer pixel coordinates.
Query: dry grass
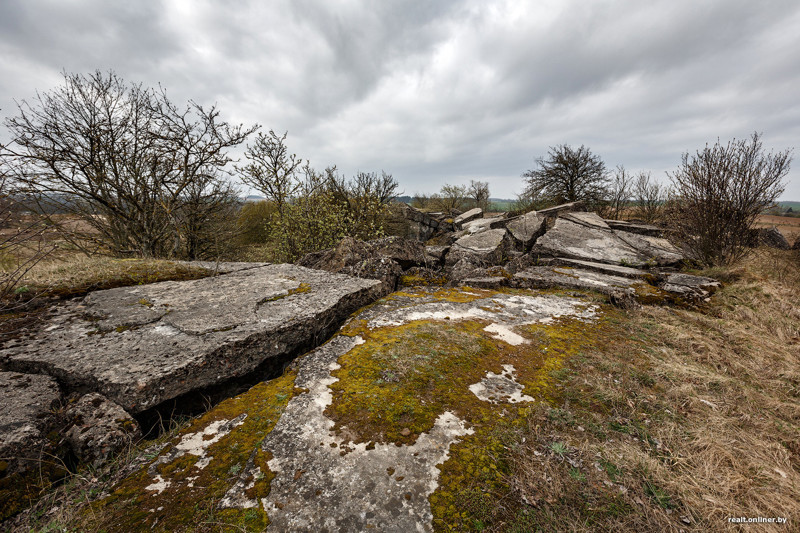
(682, 420)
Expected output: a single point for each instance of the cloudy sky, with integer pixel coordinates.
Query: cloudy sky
(446, 91)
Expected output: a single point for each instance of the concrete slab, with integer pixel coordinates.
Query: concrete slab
(577, 241)
(142, 345)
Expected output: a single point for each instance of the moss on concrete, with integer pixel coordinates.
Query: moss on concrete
(191, 500)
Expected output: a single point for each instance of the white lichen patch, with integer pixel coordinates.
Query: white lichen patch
(503, 311)
(198, 443)
(504, 333)
(502, 387)
(194, 444)
(158, 485)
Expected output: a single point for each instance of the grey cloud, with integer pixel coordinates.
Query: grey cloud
(441, 92)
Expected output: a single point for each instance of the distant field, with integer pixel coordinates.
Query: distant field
(789, 226)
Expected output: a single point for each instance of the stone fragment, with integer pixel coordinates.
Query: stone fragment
(100, 429)
(472, 214)
(489, 247)
(434, 255)
(773, 238)
(25, 419)
(526, 228)
(140, 346)
(688, 285)
(483, 224)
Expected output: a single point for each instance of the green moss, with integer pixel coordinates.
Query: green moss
(302, 288)
(18, 490)
(181, 507)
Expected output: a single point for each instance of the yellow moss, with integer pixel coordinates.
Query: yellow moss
(131, 508)
(303, 287)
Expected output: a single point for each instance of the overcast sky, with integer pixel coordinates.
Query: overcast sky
(441, 92)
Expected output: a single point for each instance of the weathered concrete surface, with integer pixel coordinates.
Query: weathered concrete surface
(657, 250)
(347, 491)
(489, 246)
(418, 225)
(434, 255)
(526, 228)
(25, 418)
(468, 216)
(577, 241)
(140, 346)
(560, 209)
(587, 237)
(586, 218)
(100, 429)
(305, 468)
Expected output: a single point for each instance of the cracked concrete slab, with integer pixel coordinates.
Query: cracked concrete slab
(142, 345)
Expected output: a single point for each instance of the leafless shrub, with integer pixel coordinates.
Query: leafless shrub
(719, 192)
(313, 210)
(478, 192)
(649, 198)
(618, 194)
(451, 198)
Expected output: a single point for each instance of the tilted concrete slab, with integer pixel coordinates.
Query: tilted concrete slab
(527, 228)
(577, 241)
(489, 246)
(632, 227)
(586, 218)
(467, 216)
(657, 250)
(605, 268)
(142, 345)
(545, 277)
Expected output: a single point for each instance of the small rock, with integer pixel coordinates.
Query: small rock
(100, 429)
(405, 432)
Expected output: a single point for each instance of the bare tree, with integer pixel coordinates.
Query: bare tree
(719, 192)
(649, 198)
(120, 156)
(451, 198)
(272, 170)
(618, 194)
(478, 192)
(568, 175)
